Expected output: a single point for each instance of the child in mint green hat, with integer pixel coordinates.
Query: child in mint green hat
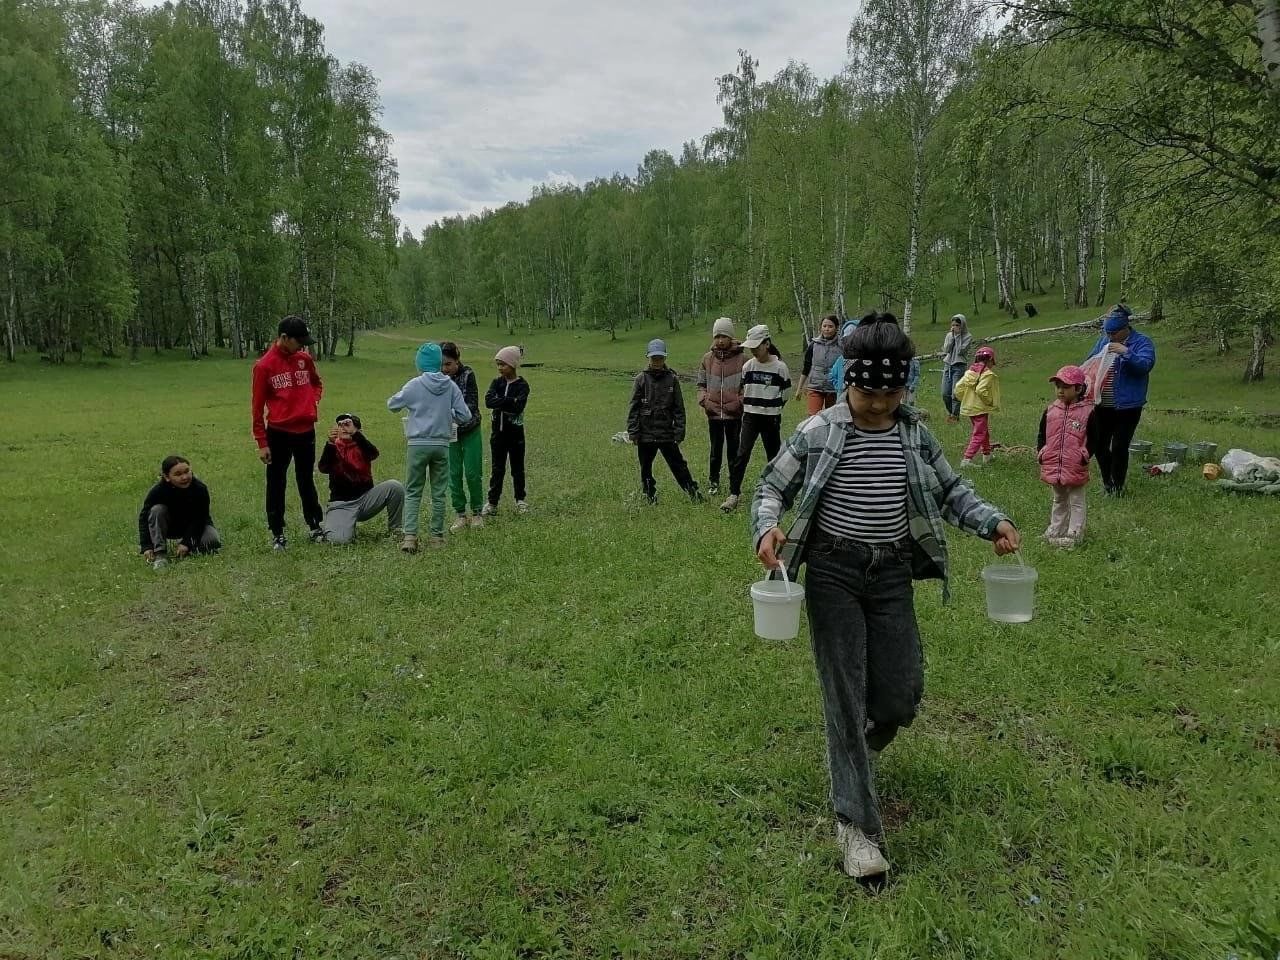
(435, 406)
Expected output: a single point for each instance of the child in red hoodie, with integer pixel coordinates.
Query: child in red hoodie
(287, 385)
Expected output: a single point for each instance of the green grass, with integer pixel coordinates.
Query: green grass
(558, 737)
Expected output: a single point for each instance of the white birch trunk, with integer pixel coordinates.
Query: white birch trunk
(1267, 18)
(913, 229)
(1101, 227)
(1253, 371)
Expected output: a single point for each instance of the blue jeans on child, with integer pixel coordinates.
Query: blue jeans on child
(866, 647)
(951, 374)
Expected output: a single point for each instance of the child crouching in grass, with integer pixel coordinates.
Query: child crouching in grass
(873, 489)
(176, 508)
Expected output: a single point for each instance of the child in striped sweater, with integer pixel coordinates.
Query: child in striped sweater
(765, 382)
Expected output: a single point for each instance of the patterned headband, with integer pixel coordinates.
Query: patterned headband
(879, 374)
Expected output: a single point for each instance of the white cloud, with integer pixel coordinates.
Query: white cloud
(487, 98)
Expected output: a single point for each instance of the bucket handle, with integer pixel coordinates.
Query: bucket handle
(781, 568)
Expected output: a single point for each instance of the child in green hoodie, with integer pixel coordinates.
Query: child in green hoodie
(435, 404)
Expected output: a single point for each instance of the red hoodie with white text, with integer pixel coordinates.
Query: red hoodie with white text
(289, 387)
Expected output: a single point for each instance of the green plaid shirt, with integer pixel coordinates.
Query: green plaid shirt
(800, 471)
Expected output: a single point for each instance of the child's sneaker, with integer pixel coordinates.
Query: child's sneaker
(1063, 543)
(280, 543)
(730, 503)
(435, 541)
(966, 462)
(317, 535)
(409, 544)
(458, 524)
(696, 495)
(489, 510)
(987, 458)
(159, 563)
(862, 858)
(522, 507)
(713, 488)
(476, 520)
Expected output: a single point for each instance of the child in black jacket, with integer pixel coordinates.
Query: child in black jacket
(176, 508)
(507, 397)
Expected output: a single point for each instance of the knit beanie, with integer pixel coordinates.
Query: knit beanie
(428, 358)
(722, 327)
(509, 355)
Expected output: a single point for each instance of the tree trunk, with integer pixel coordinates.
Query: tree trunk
(1062, 267)
(11, 312)
(1102, 242)
(1002, 282)
(1267, 19)
(1253, 370)
(913, 226)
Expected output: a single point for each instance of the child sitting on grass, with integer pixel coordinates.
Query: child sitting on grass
(872, 489)
(435, 404)
(979, 394)
(176, 508)
(655, 423)
(1068, 435)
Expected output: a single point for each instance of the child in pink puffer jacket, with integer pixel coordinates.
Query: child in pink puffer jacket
(1067, 437)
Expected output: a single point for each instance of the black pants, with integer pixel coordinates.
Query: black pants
(506, 444)
(1115, 433)
(866, 646)
(300, 448)
(768, 427)
(675, 460)
(725, 435)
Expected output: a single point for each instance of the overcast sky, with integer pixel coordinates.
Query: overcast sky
(487, 98)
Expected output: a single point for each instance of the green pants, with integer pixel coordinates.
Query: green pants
(466, 460)
(420, 462)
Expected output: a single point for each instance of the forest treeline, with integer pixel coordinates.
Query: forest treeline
(178, 177)
(1006, 152)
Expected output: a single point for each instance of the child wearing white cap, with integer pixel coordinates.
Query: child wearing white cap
(765, 382)
(656, 423)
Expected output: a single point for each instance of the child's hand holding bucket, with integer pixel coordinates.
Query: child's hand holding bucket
(770, 544)
(1007, 539)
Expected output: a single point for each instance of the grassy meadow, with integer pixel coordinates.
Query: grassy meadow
(558, 737)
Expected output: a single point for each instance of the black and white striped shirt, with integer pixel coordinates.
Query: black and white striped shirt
(764, 386)
(866, 497)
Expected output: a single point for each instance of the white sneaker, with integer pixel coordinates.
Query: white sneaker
(522, 507)
(1063, 543)
(488, 510)
(159, 563)
(730, 503)
(966, 462)
(459, 524)
(476, 520)
(862, 858)
(988, 457)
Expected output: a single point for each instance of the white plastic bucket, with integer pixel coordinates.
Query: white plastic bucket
(1011, 592)
(777, 606)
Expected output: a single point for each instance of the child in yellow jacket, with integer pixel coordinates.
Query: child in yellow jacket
(979, 394)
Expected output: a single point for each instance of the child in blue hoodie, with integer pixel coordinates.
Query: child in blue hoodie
(435, 406)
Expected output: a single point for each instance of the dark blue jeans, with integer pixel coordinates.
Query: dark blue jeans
(866, 647)
(951, 374)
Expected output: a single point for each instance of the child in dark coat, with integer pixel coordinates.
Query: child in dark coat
(655, 423)
(176, 508)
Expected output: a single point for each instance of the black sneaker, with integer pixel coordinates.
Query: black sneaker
(317, 535)
(696, 495)
(280, 543)
(713, 488)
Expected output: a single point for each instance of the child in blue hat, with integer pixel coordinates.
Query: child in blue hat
(435, 406)
(655, 423)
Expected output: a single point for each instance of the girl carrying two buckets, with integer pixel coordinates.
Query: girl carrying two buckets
(871, 489)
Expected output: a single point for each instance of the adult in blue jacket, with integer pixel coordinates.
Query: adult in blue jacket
(1127, 358)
